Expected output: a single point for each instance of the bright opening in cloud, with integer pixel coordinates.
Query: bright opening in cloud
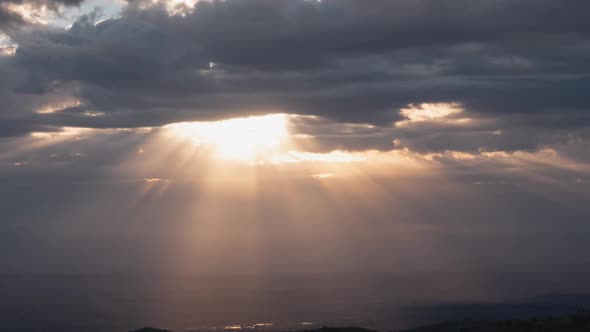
(431, 111)
(30, 12)
(240, 139)
(58, 107)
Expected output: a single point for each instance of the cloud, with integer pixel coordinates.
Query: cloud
(17, 13)
(518, 70)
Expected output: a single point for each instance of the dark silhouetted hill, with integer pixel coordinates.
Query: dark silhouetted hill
(323, 329)
(579, 322)
(150, 329)
(573, 323)
(340, 329)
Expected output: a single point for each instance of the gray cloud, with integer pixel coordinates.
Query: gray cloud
(519, 65)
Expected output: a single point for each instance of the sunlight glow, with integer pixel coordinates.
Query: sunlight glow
(58, 107)
(62, 133)
(322, 175)
(30, 13)
(335, 156)
(8, 50)
(242, 139)
(431, 111)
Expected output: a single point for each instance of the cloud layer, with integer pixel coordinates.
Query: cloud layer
(518, 71)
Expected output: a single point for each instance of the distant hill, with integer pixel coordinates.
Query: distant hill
(340, 329)
(150, 329)
(579, 322)
(323, 329)
(573, 323)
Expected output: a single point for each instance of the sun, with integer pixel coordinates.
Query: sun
(239, 139)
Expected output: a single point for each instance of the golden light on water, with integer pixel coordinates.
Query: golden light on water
(239, 139)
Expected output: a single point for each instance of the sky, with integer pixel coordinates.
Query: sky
(441, 143)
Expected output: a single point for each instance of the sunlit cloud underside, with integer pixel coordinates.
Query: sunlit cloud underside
(238, 149)
(240, 139)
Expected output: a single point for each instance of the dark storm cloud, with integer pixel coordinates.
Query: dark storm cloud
(344, 60)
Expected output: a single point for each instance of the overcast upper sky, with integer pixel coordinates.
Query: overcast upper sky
(516, 67)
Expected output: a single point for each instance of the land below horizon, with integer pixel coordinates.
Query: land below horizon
(578, 322)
